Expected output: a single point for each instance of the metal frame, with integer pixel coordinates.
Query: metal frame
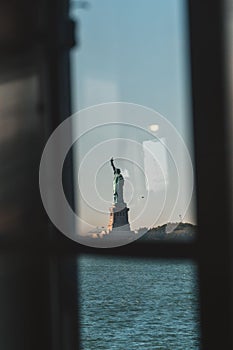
(212, 172)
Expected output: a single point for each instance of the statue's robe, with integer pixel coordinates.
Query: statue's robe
(118, 183)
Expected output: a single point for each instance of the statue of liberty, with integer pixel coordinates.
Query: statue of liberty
(118, 183)
(118, 220)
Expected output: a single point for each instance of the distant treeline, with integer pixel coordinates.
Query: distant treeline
(184, 231)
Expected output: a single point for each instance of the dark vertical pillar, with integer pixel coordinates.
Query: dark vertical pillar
(38, 288)
(212, 175)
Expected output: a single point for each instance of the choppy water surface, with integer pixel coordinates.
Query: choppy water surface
(138, 304)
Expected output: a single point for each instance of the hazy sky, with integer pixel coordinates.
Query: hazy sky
(132, 51)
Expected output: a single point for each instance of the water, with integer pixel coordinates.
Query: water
(138, 304)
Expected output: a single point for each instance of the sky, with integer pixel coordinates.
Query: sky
(135, 52)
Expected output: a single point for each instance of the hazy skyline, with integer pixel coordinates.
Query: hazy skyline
(136, 52)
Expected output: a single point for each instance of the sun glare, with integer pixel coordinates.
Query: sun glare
(154, 127)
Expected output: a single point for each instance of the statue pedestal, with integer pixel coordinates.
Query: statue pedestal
(119, 218)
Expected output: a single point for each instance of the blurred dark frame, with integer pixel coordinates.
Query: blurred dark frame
(39, 280)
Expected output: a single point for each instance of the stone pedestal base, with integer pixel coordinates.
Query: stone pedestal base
(119, 218)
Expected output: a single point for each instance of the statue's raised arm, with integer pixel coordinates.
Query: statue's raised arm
(112, 164)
